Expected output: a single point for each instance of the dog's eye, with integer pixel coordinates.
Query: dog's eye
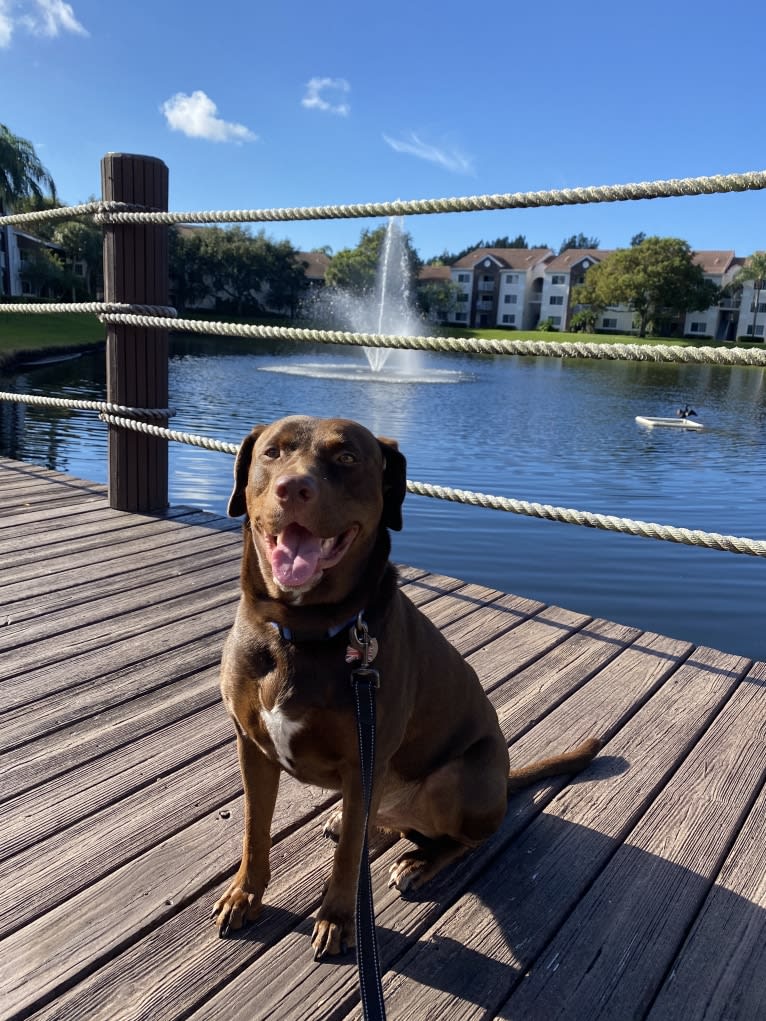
(346, 457)
(272, 453)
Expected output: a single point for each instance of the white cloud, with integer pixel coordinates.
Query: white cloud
(6, 24)
(449, 158)
(50, 18)
(315, 100)
(197, 116)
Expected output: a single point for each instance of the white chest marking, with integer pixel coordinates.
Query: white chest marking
(281, 731)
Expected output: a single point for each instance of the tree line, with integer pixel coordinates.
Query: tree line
(247, 273)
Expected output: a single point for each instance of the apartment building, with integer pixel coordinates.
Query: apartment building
(499, 287)
(520, 288)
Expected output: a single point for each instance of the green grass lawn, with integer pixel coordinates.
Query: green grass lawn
(22, 332)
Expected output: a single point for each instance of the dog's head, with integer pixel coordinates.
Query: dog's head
(317, 493)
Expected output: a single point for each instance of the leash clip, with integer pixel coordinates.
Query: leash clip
(361, 646)
(365, 675)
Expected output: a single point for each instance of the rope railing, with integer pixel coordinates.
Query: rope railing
(98, 308)
(465, 345)
(118, 212)
(75, 404)
(166, 318)
(605, 522)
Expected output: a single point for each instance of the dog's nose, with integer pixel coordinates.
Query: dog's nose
(295, 488)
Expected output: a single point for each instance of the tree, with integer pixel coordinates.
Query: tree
(244, 272)
(45, 273)
(187, 267)
(637, 239)
(578, 241)
(450, 258)
(82, 242)
(22, 175)
(656, 278)
(437, 298)
(754, 270)
(354, 269)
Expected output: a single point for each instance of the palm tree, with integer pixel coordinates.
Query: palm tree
(754, 270)
(22, 175)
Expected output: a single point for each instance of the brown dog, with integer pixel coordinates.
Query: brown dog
(320, 496)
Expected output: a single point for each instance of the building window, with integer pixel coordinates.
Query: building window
(511, 299)
(556, 320)
(609, 324)
(511, 278)
(508, 320)
(462, 297)
(698, 328)
(556, 299)
(464, 278)
(461, 317)
(758, 330)
(761, 306)
(558, 278)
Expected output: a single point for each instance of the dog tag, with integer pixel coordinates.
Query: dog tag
(355, 649)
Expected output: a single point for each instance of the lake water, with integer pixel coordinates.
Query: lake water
(538, 429)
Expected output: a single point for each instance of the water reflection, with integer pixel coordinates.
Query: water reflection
(545, 430)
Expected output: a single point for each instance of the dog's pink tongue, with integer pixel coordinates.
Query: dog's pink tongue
(294, 560)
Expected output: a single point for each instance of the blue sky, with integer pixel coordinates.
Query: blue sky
(254, 105)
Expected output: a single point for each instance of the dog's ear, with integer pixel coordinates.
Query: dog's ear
(394, 482)
(237, 505)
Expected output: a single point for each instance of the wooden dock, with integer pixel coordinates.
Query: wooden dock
(636, 891)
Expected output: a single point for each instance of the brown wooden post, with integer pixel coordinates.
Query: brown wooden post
(136, 271)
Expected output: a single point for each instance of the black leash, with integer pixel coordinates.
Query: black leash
(365, 682)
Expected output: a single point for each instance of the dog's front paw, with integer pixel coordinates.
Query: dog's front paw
(333, 935)
(237, 906)
(333, 825)
(409, 871)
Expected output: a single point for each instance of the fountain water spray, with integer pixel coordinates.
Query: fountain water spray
(389, 311)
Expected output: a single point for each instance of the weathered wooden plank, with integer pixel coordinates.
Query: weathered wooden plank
(54, 636)
(12, 467)
(48, 737)
(38, 598)
(55, 538)
(180, 959)
(199, 617)
(617, 945)
(74, 859)
(547, 682)
(533, 638)
(103, 547)
(63, 800)
(719, 971)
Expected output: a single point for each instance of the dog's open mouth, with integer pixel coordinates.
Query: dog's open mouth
(298, 556)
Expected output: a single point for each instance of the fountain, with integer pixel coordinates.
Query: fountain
(391, 311)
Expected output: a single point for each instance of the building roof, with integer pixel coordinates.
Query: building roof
(714, 263)
(511, 258)
(434, 273)
(316, 264)
(572, 256)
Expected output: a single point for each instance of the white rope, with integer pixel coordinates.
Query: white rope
(468, 345)
(98, 308)
(78, 405)
(607, 522)
(171, 434)
(644, 529)
(116, 212)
